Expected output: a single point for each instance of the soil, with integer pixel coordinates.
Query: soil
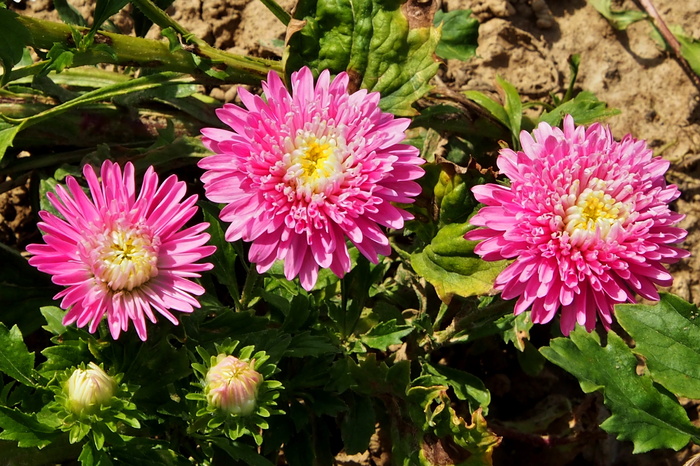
(528, 42)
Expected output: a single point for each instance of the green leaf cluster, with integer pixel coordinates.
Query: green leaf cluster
(385, 47)
(642, 411)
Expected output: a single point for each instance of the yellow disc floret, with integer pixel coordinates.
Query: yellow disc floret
(314, 161)
(595, 210)
(126, 258)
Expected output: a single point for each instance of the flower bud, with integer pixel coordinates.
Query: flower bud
(232, 385)
(88, 389)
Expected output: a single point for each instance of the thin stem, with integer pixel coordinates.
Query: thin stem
(160, 17)
(278, 11)
(202, 49)
(670, 40)
(136, 51)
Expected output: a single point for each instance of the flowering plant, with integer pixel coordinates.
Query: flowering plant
(343, 263)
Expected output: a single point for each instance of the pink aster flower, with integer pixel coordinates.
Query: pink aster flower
(301, 172)
(121, 254)
(586, 219)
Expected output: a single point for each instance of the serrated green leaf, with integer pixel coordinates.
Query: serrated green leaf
(13, 39)
(372, 40)
(585, 108)
(451, 266)
(15, 360)
(64, 356)
(466, 386)
(667, 334)
(54, 319)
(619, 19)
(68, 13)
(24, 429)
(642, 412)
(106, 8)
(385, 334)
(519, 332)
(460, 31)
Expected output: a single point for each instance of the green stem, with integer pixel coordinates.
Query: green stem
(202, 49)
(136, 51)
(162, 19)
(278, 11)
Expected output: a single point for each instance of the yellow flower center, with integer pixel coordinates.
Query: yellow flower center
(594, 210)
(313, 162)
(126, 258)
(314, 157)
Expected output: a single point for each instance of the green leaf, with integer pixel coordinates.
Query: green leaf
(667, 334)
(451, 266)
(7, 135)
(358, 425)
(494, 108)
(619, 19)
(149, 452)
(240, 451)
(514, 109)
(453, 194)
(374, 41)
(585, 108)
(467, 387)
(15, 359)
(224, 258)
(63, 356)
(690, 50)
(13, 39)
(385, 334)
(68, 13)
(54, 319)
(106, 8)
(305, 344)
(105, 93)
(460, 31)
(24, 429)
(642, 412)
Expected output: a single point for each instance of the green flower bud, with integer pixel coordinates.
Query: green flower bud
(88, 389)
(232, 385)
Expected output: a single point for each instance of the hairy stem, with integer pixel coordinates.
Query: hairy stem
(135, 51)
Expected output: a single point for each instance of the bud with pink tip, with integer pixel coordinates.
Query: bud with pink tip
(232, 385)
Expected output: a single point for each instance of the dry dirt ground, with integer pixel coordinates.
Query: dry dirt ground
(527, 42)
